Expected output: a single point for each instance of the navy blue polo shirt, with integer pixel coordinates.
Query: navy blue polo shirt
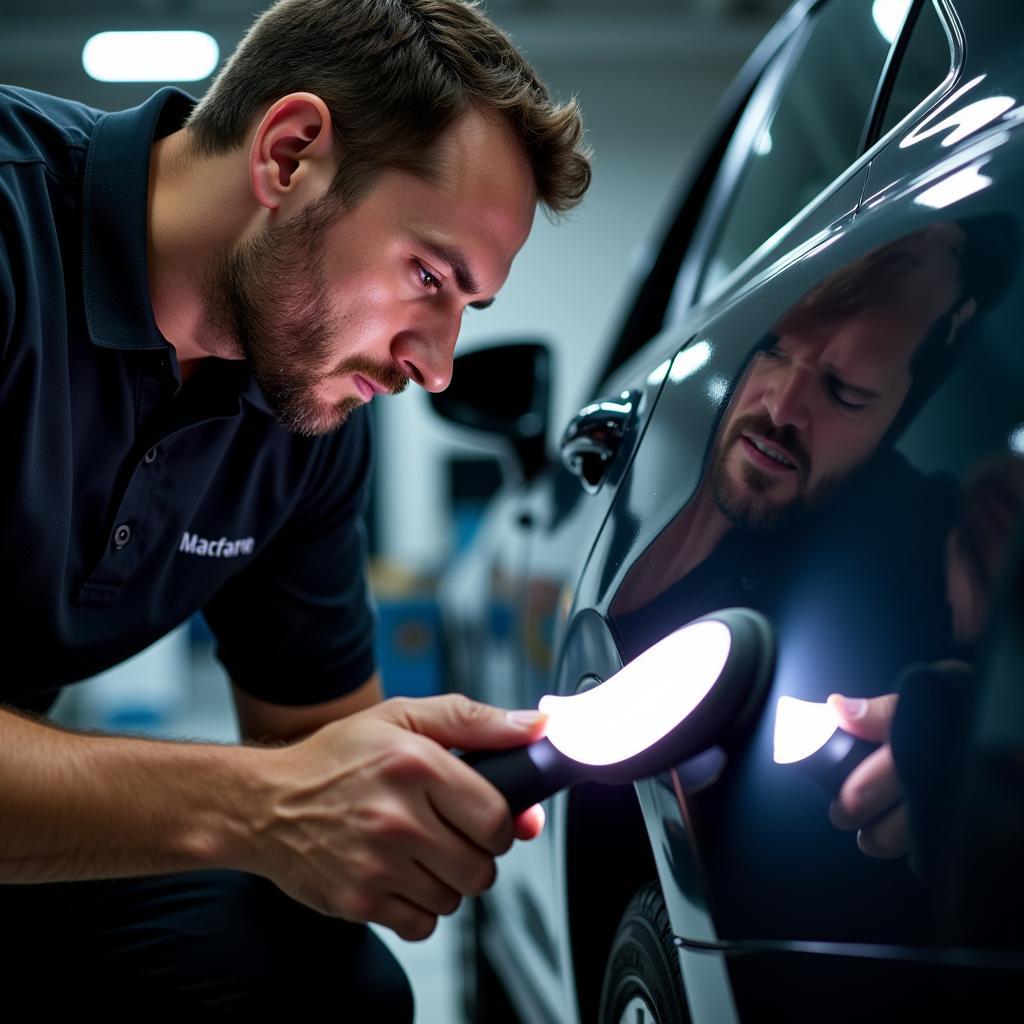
(128, 500)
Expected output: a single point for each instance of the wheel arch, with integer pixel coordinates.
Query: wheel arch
(608, 858)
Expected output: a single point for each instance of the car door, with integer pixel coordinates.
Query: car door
(747, 857)
(715, 319)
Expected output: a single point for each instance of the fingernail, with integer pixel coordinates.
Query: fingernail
(852, 707)
(526, 719)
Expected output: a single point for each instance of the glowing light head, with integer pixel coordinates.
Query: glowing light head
(801, 728)
(644, 701)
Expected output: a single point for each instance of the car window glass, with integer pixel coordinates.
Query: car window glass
(925, 63)
(813, 133)
(864, 490)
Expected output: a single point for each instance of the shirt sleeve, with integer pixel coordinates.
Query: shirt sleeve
(297, 627)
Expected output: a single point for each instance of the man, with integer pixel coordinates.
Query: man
(196, 304)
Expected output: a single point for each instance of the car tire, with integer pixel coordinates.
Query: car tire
(483, 996)
(642, 981)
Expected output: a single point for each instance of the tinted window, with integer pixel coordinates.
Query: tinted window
(813, 133)
(924, 65)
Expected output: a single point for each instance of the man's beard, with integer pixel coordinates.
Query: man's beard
(267, 302)
(749, 505)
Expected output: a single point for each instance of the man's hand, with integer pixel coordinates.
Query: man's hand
(872, 798)
(372, 819)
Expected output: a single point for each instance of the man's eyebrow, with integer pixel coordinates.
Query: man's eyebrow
(856, 389)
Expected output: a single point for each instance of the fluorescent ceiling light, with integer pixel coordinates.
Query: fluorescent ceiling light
(150, 56)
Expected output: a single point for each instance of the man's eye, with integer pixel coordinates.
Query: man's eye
(836, 389)
(427, 279)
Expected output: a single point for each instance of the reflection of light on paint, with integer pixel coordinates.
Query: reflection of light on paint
(657, 375)
(801, 728)
(689, 361)
(763, 146)
(888, 16)
(971, 118)
(1017, 440)
(962, 122)
(954, 188)
(642, 702)
(717, 389)
(150, 56)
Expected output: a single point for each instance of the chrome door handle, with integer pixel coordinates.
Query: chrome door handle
(593, 437)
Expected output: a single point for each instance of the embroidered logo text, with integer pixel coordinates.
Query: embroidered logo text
(193, 544)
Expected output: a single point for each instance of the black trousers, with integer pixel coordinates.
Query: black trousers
(216, 943)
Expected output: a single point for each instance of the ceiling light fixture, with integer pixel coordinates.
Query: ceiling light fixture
(150, 56)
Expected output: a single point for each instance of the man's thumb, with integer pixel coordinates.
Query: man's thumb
(868, 719)
(456, 721)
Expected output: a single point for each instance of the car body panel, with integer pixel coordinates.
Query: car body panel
(762, 892)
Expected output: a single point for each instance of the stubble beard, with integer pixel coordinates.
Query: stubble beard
(267, 303)
(748, 504)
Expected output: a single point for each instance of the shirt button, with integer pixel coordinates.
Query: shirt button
(122, 535)
(150, 456)
(750, 583)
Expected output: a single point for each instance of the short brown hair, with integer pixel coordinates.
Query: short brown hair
(394, 75)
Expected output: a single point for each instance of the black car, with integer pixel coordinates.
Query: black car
(815, 409)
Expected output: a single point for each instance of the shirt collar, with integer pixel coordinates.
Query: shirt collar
(119, 312)
(114, 222)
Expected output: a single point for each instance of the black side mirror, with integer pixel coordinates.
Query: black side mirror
(503, 390)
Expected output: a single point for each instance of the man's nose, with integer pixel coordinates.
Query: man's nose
(785, 399)
(425, 355)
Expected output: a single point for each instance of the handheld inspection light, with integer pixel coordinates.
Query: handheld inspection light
(687, 692)
(808, 735)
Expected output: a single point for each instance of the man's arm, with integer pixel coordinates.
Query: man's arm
(370, 818)
(77, 805)
(260, 721)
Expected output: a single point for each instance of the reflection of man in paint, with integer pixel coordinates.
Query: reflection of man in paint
(848, 365)
(817, 402)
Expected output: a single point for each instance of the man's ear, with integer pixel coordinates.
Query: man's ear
(292, 158)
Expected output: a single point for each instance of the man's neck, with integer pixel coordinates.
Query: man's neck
(196, 212)
(684, 544)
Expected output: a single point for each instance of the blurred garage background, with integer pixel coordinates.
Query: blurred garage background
(648, 74)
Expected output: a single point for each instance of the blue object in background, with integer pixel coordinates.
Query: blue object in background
(408, 646)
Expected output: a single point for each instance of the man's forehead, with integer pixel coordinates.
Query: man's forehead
(872, 347)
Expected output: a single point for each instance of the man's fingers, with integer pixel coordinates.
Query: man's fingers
(405, 919)
(456, 721)
(530, 823)
(453, 859)
(464, 799)
(870, 790)
(867, 718)
(887, 837)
